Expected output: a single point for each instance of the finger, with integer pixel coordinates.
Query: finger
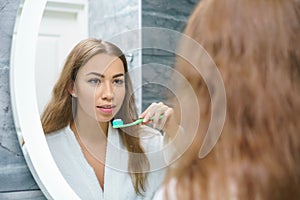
(157, 114)
(162, 122)
(150, 113)
(147, 110)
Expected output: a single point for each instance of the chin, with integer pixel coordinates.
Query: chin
(104, 119)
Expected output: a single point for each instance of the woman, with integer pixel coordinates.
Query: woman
(255, 45)
(98, 161)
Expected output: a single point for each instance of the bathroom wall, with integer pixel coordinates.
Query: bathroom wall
(16, 181)
(170, 14)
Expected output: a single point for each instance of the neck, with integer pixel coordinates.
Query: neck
(89, 129)
(91, 139)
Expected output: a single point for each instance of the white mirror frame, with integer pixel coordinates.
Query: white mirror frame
(24, 105)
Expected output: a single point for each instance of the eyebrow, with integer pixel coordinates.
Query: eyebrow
(102, 76)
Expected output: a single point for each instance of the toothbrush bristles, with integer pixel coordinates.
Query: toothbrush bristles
(117, 122)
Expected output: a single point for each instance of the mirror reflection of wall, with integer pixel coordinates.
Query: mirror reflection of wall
(64, 23)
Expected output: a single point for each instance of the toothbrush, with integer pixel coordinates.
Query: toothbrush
(118, 123)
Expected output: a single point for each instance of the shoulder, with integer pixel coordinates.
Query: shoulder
(57, 137)
(55, 133)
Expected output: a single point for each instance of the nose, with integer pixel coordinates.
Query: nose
(107, 91)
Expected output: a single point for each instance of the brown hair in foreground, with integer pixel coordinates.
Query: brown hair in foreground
(255, 45)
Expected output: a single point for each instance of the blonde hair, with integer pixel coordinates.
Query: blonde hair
(58, 113)
(256, 46)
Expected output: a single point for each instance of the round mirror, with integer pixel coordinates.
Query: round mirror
(25, 104)
(44, 34)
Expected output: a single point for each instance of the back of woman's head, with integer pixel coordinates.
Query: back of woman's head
(255, 45)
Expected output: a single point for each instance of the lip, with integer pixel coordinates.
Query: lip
(106, 108)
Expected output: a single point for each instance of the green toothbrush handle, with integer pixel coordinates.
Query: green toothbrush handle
(160, 117)
(151, 118)
(138, 121)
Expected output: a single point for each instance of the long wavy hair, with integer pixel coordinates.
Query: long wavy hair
(58, 113)
(255, 45)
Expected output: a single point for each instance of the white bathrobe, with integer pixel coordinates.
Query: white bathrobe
(81, 177)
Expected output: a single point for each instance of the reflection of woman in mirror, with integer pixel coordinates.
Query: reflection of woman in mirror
(256, 47)
(94, 88)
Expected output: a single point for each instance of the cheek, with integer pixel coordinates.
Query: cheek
(120, 94)
(86, 95)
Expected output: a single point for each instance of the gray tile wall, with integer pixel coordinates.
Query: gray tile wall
(108, 18)
(16, 181)
(170, 14)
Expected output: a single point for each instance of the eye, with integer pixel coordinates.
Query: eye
(119, 82)
(94, 81)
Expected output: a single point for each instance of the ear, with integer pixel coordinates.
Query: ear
(71, 89)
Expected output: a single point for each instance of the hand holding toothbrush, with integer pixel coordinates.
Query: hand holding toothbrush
(167, 123)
